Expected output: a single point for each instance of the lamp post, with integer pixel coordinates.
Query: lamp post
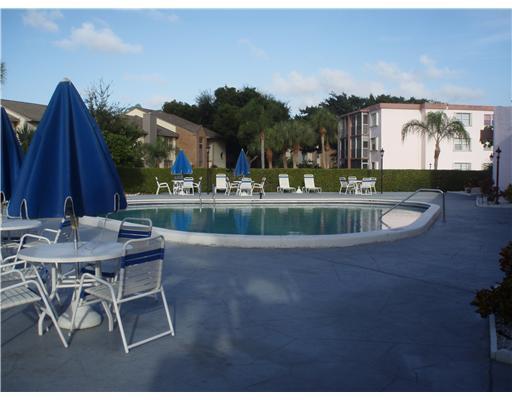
(381, 169)
(498, 152)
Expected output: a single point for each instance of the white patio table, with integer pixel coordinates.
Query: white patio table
(15, 224)
(66, 253)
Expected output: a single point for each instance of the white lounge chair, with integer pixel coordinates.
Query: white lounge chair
(17, 290)
(260, 187)
(221, 183)
(162, 185)
(245, 187)
(309, 184)
(343, 184)
(140, 276)
(284, 184)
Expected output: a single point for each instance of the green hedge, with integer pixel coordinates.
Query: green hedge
(142, 180)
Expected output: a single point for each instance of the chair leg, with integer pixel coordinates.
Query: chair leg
(121, 327)
(166, 306)
(108, 313)
(49, 310)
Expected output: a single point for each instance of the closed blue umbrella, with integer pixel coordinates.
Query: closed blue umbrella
(68, 168)
(11, 157)
(181, 166)
(242, 165)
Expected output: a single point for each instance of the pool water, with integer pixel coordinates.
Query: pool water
(276, 220)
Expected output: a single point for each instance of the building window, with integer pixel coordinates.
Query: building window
(465, 118)
(488, 120)
(374, 144)
(460, 144)
(374, 119)
(462, 166)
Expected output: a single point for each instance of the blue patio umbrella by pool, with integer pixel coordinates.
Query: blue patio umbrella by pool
(11, 157)
(242, 165)
(68, 169)
(181, 166)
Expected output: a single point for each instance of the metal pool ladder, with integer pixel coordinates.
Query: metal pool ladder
(417, 191)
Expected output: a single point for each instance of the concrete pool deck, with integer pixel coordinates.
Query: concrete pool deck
(392, 316)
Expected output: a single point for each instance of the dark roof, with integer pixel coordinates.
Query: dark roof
(32, 111)
(181, 122)
(160, 131)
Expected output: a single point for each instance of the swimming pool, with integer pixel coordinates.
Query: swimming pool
(277, 220)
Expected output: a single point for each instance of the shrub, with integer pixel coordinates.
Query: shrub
(498, 300)
(508, 193)
(143, 179)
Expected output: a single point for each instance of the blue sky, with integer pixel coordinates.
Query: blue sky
(299, 56)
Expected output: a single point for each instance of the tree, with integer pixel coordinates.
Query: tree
(437, 127)
(121, 134)
(302, 135)
(3, 73)
(154, 153)
(183, 110)
(259, 114)
(25, 134)
(325, 123)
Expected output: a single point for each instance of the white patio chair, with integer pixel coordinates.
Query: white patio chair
(260, 187)
(140, 276)
(284, 184)
(16, 291)
(343, 184)
(373, 184)
(162, 185)
(351, 185)
(197, 185)
(245, 187)
(309, 184)
(130, 228)
(232, 186)
(221, 183)
(188, 185)
(64, 233)
(366, 186)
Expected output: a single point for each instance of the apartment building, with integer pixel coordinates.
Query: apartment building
(363, 133)
(202, 146)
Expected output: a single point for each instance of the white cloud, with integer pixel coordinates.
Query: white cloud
(433, 71)
(147, 78)
(459, 93)
(405, 83)
(163, 16)
(254, 50)
(307, 90)
(98, 39)
(155, 102)
(43, 20)
(495, 38)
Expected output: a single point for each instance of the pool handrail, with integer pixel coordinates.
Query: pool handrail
(418, 191)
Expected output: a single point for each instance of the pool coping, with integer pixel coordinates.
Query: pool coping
(420, 225)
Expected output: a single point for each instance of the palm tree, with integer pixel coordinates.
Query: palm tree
(302, 134)
(326, 124)
(3, 73)
(25, 134)
(437, 126)
(154, 153)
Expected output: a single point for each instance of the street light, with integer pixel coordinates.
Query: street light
(498, 152)
(381, 169)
